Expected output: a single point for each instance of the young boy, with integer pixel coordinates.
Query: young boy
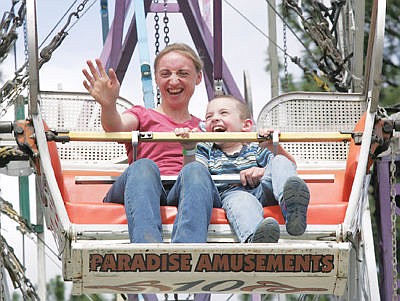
(263, 175)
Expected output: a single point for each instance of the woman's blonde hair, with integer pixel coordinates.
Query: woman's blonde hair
(182, 49)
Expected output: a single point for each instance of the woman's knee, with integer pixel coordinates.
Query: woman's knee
(196, 170)
(144, 169)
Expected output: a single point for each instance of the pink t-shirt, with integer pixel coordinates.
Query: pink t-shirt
(167, 155)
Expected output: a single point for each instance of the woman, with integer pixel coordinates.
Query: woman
(177, 73)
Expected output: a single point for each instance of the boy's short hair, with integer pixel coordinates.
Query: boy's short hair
(243, 108)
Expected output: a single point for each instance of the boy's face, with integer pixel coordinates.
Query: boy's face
(222, 115)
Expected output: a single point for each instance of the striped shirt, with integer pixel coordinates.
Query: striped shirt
(218, 162)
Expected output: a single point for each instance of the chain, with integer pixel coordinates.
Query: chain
(156, 31)
(16, 271)
(285, 84)
(11, 89)
(9, 260)
(332, 63)
(8, 25)
(157, 45)
(2, 278)
(393, 220)
(7, 209)
(166, 20)
(47, 51)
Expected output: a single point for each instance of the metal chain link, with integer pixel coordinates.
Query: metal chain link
(47, 51)
(166, 21)
(15, 269)
(13, 88)
(2, 278)
(157, 46)
(321, 26)
(8, 25)
(285, 84)
(393, 220)
(156, 31)
(7, 209)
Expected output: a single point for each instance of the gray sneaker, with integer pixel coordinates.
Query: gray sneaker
(267, 231)
(296, 197)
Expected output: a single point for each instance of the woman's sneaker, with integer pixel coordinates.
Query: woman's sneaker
(296, 197)
(267, 231)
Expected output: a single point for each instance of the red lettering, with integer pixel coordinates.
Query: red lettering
(327, 263)
(109, 264)
(203, 263)
(316, 263)
(138, 263)
(249, 264)
(123, 262)
(275, 263)
(95, 261)
(289, 263)
(186, 260)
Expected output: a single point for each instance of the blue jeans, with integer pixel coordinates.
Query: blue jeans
(244, 207)
(139, 187)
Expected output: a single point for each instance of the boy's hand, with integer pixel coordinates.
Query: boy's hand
(252, 176)
(185, 133)
(267, 133)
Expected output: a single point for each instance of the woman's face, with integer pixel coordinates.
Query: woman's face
(176, 77)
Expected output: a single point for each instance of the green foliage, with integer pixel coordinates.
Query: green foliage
(56, 292)
(16, 297)
(391, 62)
(311, 53)
(56, 289)
(390, 95)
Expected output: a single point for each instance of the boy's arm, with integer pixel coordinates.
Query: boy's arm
(269, 144)
(279, 151)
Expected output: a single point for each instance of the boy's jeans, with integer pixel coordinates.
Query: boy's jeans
(244, 207)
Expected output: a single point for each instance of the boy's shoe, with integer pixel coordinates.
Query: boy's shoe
(267, 231)
(296, 197)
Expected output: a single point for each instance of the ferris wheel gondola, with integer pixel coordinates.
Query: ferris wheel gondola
(92, 236)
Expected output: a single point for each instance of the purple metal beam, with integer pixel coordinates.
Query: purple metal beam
(160, 8)
(117, 24)
(385, 227)
(217, 16)
(203, 41)
(121, 59)
(117, 32)
(117, 57)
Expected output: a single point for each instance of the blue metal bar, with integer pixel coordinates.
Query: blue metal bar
(147, 84)
(104, 18)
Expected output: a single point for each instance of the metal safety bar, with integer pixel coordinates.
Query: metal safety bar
(198, 136)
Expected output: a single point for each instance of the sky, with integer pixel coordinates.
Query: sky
(244, 49)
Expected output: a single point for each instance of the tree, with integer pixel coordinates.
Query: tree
(56, 289)
(316, 17)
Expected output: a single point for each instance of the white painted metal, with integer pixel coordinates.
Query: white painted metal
(104, 266)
